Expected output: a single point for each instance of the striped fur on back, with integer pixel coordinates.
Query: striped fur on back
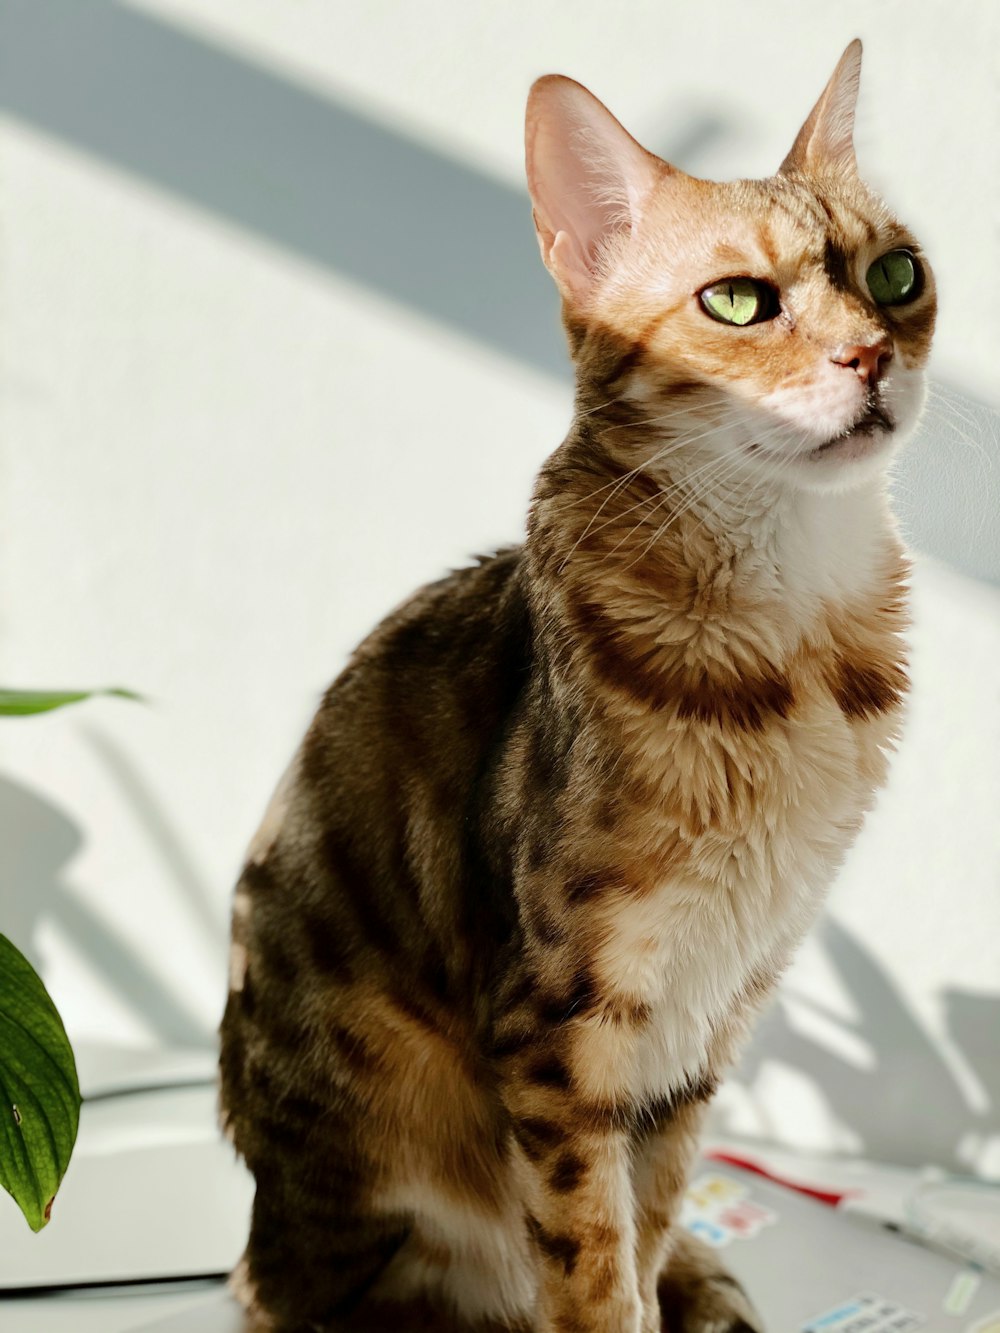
(557, 827)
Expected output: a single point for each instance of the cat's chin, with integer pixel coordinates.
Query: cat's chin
(861, 441)
(860, 438)
(847, 461)
(850, 457)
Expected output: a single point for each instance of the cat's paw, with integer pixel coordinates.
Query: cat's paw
(697, 1295)
(712, 1305)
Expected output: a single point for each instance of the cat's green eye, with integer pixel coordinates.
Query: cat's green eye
(894, 279)
(739, 301)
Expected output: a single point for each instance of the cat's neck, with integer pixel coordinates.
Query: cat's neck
(683, 572)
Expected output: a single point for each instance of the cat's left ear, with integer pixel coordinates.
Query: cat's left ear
(588, 180)
(826, 141)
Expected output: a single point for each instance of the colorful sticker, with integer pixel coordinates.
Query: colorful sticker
(719, 1210)
(963, 1288)
(865, 1314)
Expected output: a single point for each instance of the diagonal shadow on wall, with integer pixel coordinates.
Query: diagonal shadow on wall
(292, 166)
(285, 163)
(383, 209)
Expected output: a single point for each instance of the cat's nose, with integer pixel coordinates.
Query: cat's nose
(869, 360)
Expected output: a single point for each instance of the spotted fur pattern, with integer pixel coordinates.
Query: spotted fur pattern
(557, 827)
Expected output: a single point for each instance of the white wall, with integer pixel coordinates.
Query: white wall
(277, 347)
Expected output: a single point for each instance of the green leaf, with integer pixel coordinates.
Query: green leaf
(19, 703)
(39, 1092)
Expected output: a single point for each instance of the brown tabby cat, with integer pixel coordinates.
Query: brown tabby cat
(559, 824)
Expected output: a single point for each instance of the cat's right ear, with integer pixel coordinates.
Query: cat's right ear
(588, 180)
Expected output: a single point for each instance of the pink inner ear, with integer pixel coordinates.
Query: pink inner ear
(564, 257)
(587, 179)
(568, 192)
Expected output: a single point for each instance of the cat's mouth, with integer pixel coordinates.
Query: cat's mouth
(858, 439)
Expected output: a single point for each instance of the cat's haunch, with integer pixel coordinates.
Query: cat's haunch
(558, 826)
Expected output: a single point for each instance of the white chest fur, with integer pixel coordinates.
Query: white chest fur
(681, 957)
(684, 953)
(764, 813)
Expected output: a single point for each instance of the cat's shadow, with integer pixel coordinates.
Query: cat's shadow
(906, 1105)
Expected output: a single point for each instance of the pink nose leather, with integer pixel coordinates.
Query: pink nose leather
(869, 362)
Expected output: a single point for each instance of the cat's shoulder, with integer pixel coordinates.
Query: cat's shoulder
(473, 621)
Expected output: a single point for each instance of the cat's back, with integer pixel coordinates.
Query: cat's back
(427, 690)
(369, 862)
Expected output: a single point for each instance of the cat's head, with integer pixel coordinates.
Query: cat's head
(793, 314)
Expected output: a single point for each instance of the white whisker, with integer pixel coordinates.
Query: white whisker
(670, 447)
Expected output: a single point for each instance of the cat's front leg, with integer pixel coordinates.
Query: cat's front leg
(683, 1286)
(576, 1171)
(663, 1157)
